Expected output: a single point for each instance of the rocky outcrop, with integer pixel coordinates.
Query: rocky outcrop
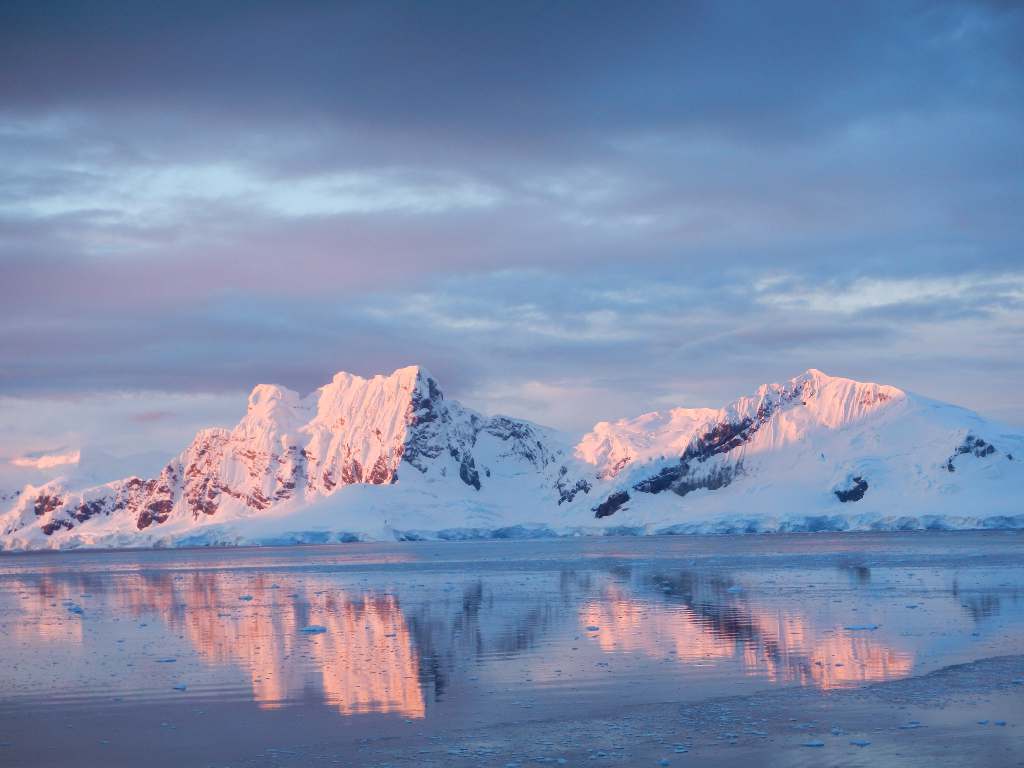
(611, 505)
(854, 489)
(974, 446)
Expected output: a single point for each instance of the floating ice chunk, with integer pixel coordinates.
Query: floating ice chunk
(813, 744)
(1000, 722)
(245, 597)
(77, 609)
(314, 629)
(734, 590)
(166, 661)
(983, 722)
(180, 687)
(861, 628)
(592, 628)
(911, 726)
(859, 742)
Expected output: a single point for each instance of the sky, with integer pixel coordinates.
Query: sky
(567, 211)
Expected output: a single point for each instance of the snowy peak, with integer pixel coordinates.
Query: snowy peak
(348, 394)
(811, 400)
(610, 446)
(289, 451)
(829, 401)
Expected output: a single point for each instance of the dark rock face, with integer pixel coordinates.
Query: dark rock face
(157, 512)
(56, 525)
(722, 438)
(381, 472)
(292, 473)
(854, 491)
(521, 439)
(718, 477)
(687, 476)
(88, 509)
(420, 447)
(433, 430)
(46, 503)
(972, 445)
(468, 473)
(567, 490)
(663, 480)
(611, 505)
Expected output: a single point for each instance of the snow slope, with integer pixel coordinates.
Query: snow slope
(390, 457)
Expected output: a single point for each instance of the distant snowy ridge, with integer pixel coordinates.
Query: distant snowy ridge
(391, 457)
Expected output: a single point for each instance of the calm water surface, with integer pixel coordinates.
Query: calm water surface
(501, 630)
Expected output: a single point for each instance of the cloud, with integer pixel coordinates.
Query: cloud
(149, 417)
(59, 457)
(616, 206)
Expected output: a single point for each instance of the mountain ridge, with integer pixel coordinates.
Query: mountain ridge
(815, 451)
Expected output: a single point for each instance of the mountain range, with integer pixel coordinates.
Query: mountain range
(390, 457)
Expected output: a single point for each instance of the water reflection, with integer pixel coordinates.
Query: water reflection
(402, 642)
(712, 622)
(365, 661)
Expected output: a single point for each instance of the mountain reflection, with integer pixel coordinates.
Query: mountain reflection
(365, 661)
(394, 648)
(703, 621)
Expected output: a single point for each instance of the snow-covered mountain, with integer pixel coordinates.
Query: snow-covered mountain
(391, 457)
(817, 452)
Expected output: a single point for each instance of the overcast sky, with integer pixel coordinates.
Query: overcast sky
(566, 211)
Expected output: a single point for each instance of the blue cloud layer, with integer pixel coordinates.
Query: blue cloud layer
(625, 206)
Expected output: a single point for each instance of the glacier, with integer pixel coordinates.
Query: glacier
(390, 457)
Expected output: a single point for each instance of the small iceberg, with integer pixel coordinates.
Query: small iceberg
(314, 629)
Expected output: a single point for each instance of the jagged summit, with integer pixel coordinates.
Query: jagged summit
(290, 451)
(390, 456)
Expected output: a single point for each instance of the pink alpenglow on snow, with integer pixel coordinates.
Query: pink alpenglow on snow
(390, 457)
